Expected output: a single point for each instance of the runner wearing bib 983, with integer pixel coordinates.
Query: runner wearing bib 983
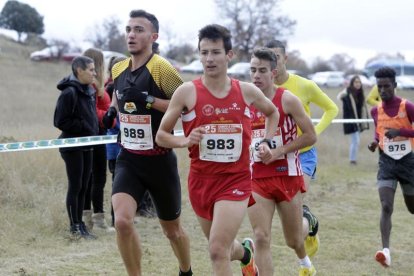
(394, 135)
(216, 123)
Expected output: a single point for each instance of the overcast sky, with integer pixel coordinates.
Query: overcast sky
(360, 28)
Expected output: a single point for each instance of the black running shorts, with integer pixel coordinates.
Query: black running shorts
(134, 174)
(392, 171)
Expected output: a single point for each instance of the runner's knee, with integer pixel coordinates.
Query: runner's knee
(262, 238)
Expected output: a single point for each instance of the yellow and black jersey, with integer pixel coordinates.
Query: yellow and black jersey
(157, 77)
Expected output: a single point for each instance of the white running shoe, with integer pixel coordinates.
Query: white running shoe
(383, 257)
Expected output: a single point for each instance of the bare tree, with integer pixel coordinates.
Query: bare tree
(107, 36)
(62, 46)
(342, 62)
(320, 65)
(253, 23)
(295, 62)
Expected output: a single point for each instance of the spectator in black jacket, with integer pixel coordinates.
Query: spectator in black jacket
(75, 115)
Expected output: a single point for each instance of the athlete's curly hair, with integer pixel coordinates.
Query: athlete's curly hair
(216, 32)
(386, 72)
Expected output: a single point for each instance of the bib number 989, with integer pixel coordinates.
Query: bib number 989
(134, 133)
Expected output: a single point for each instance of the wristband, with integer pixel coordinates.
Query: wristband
(268, 141)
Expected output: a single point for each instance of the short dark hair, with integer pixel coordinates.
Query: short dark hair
(216, 32)
(386, 72)
(80, 62)
(151, 18)
(265, 54)
(276, 44)
(155, 47)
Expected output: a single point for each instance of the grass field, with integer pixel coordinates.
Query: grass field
(34, 236)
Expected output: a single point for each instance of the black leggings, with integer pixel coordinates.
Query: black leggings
(95, 193)
(78, 169)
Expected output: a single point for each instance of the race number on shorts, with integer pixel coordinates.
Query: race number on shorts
(221, 143)
(258, 135)
(397, 149)
(136, 132)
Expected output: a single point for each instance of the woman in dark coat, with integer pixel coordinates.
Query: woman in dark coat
(354, 107)
(75, 115)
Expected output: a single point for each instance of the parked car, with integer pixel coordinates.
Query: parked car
(195, 67)
(70, 56)
(329, 78)
(107, 56)
(404, 83)
(175, 64)
(47, 53)
(240, 70)
(365, 81)
(297, 72)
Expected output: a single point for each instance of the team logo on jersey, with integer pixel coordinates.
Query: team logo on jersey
(208, 110)
(251, 115)
(234, 106)
(238, 192)
(401, 114)
(119, 95)
(221, 111)
(130, 107)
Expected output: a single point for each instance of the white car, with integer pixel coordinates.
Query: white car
(404, 83)
(195, 67)
(47, 53)
(329, 78)
(240, 70)
(365, 81)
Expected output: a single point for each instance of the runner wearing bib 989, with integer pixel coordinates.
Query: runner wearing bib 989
(216, 123)
(143, 85)
(394, 135)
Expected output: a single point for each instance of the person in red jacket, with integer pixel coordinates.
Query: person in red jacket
(394, 136)
(95, 194)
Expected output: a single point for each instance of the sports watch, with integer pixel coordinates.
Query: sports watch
(150, 100)
(267, 141)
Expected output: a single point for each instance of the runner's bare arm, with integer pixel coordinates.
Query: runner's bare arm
(183, 99)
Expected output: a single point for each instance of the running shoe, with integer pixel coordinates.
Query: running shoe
(311, 245)
(307, 271)
(249, 269)
(313, 221)
(383, 257)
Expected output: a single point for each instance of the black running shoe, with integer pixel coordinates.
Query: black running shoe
(313, 221)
